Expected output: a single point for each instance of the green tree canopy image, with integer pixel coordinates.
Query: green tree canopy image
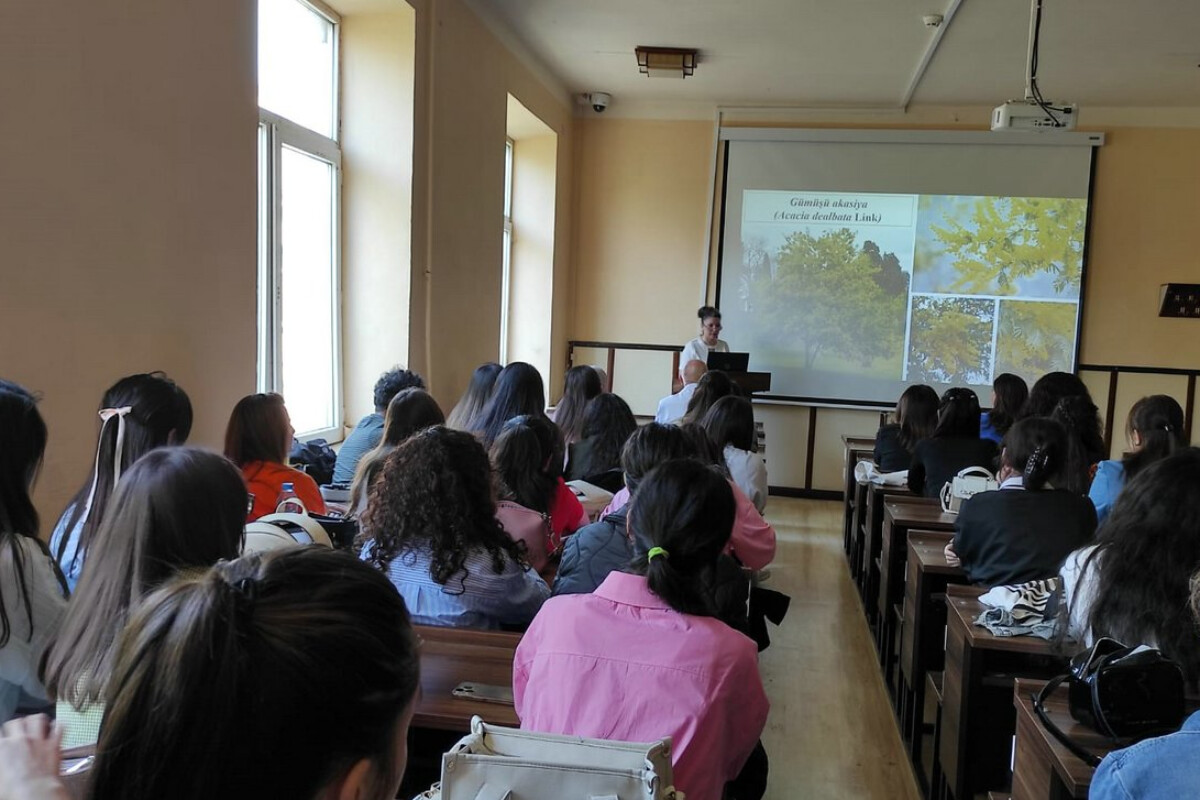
(950, 340)
(1009, 238)
(824, 295)
(1035, 338)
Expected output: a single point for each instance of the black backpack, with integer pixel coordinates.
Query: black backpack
(315, 457)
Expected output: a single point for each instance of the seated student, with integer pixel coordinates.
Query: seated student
(711, 387)
(1009, 393)
(431, 526)
(1134, 583)
(672, 407)
(1023, 531)
(1162, 768)
(1154, 430)
(535, 506)
(289, 674)
(257, 440)
(519, 390)
(1048, 390)
(581, 385)
(411, 410)
(33, 595)
(369, 430)
(643, 656)
(730, 425)
(596, 458)
(177, 508)
(916, 417)
(953, 446)
(1085, 443)
(478, 392)
(137, 414)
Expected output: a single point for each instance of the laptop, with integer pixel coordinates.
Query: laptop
(728, 362)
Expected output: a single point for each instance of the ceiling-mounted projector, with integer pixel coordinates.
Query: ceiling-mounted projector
(1029, 115)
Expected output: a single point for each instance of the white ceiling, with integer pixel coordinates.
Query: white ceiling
(806, 53)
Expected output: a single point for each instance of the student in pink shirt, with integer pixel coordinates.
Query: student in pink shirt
(643, 656)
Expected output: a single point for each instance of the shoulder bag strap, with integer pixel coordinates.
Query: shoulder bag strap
(1039, 701)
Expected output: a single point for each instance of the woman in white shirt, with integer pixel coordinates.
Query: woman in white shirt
(33, 593)
(710, 329)
(730, 426)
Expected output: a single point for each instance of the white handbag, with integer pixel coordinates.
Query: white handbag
(967, 483)
(494, 763)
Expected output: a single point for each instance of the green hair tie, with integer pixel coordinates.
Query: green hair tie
(656, 551)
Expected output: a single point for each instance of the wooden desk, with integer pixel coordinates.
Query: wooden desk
(978, 719)
(898, 520)
(923, 631)
(450, 656)
(872, 532)
(856, 448)
(1044, 769)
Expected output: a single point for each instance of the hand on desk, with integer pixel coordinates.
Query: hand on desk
(30, 759)
(952, 557)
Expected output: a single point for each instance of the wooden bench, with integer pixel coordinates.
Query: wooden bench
(450, 656)
(856, 448)
(872, 533)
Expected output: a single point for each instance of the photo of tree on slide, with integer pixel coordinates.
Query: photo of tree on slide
(822, 294)
(1035, 338)
(950, 340)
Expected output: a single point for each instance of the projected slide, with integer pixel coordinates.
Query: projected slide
(854, 296)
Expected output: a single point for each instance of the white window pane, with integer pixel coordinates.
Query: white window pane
(296, 64)
(308, 290)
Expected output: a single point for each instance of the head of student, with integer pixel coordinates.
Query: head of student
(409, 411)
(607, 422)
(478, 392)
(1154, 430)
(391, 383)
(434, 494)
(730, 422)
(693, 371)
(1147, 551)
(581, 385)
(259, 429)
(233, 683)
(1009, 393)
(958, 415)
(653, 444)
(681, 520)
(1035, 449)
(710, 324)
(519, 390)
(1049, 389)
(703, 449)
(709, 389)
(177, 508)
(916, 414)
(528, 458)
(1085, 442)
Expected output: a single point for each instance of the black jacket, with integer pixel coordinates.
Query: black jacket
(1014, 535)
(890, 455)
(937, 461)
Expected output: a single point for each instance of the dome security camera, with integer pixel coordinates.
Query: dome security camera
(600, 101)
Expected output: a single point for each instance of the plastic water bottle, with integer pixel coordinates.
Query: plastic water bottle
(289, 502)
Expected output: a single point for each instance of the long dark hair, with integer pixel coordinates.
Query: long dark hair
(607, 423)
(703, 449)
(730, 421)
(1036, 449)
(1011, 393)
(23, 437)
(528, 457)
(1147, 551)
(687, 510)
(258, 430)
(916, 414)
(409, 411)
(435, 494)
(958, 415)
(519, 390)
(1158, 422)
(711, 388)
(651, 445)
(1049, 389)
(176, 508)
(475, 398)
(581, 385)
(1085, 443)
(275, 674)
(160, 413)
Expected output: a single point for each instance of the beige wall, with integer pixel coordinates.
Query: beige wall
(128, 211)
(378, 52)
(464, 75)
(642, 189)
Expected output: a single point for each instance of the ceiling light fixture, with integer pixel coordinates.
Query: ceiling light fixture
(666, 62)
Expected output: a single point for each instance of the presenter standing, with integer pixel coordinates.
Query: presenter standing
(708, 340)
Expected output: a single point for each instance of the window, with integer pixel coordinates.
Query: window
(506, 267)
(299, 349)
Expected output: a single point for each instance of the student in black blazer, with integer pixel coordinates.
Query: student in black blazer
(916, 417)
(954, 445)
(1023, 531)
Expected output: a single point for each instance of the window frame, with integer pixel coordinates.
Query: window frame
(506, 257)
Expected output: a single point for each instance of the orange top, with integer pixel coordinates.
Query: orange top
(265, 481)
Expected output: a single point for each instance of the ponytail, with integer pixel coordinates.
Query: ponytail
(1037, 468)
(1036, 447)
(1158, 421)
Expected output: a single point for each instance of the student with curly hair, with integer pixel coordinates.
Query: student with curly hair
(431, 526)
(369, 430)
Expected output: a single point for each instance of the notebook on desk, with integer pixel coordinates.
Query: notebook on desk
(728, 362)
